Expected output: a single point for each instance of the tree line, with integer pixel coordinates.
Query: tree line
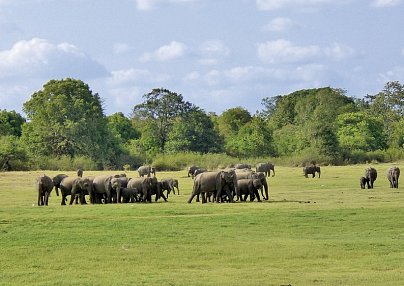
(66, 127)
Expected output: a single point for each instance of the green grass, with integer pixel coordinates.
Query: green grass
(312, 232)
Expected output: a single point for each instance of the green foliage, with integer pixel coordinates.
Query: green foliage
(67, 119)
(11, 123)
(12, 154)
(194, 132)
(360, 131)
(232, 120)
(121, 127)
(160, 109)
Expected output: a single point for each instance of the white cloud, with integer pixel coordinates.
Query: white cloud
(385, 3)
(130, 77)
(40, 58)
(395, 74)
(168, 52)
(213, 52)
(285, 51)
(121, 48)
(280, 24)
(146, 5)
(279, 4)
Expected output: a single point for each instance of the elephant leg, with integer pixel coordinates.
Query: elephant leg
(72, 198)
(192, 197)
(46, 198)
(39, 199)
(63, 202)
(164, 198)
(203, 195)
(257, 194)
(197, 198)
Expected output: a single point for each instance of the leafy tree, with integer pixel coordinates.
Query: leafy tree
(12, 154)
(66, 118)
(389, 103)
(194, 132)
(122, 127)
(160, 110)
(360, 131)
(289, 139)
(231, 120)
(11, 123)
(253, 139)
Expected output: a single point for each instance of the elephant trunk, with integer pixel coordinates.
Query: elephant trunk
(266, 192)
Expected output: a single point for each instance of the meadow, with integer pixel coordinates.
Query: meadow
(312, 231)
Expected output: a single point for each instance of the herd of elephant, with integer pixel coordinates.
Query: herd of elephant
(239, 182)
(106, 188)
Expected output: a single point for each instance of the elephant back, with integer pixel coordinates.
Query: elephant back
(44, 183)
(67, 183)
(371, 173)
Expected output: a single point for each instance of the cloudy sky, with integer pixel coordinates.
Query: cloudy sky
(218, 54)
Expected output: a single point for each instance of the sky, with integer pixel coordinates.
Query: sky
(218, 54)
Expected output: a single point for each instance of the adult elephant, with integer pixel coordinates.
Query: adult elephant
(79, 172)
(311, 170)
(169, 185)
(146, 171)
(44, 186)
(214, 182)
(265, 168)
(249, 187)
(248, 174)
(147, 187)
(191, 170)
(110, 186)
(72, 186)
(371, 176)
(57, 180)
(392, 175)
(198, 171)
(242, 166)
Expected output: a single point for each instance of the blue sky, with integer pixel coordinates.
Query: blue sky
(218, 54)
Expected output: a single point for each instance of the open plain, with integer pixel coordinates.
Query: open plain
(312, 231)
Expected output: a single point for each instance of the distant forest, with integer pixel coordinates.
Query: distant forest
(65, 128)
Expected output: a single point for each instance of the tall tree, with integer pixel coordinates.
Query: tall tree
(122, 127)
(161, 108)
(11, 123)
(194, 132)
(66, 118)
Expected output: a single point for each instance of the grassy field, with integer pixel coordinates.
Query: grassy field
(312, 232)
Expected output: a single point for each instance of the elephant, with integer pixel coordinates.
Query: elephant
(249, 187)
(191, 170)
(215, 182)
(371, 175)
(242, 166)
(249, 174)
(198, 171)
(79, 172)
(393, 174)
(57, 180)
(44, 186)
(363, 181)
(147, 187)
(72, 186)
(312, 169)
(146, 170)
(169, 185)
(107, 185)
(128, 195)
(265, 168)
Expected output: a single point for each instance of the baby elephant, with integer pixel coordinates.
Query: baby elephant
(363, 182)
(129, 195)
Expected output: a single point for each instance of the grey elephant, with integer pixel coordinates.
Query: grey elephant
(169, 185)
(363, 182)
(146, 171)
(215, 182)
(57, 180)
(147, 187)
(242, 166)
(198, 171)
(249, 174)
(44, 186)
(109, 186)
(249, 187)
(79, 172)
(392, 175)
(128, 195)
(312, 170)
(371, 176)
(73, 186)
(265, 168)
(191, 170)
